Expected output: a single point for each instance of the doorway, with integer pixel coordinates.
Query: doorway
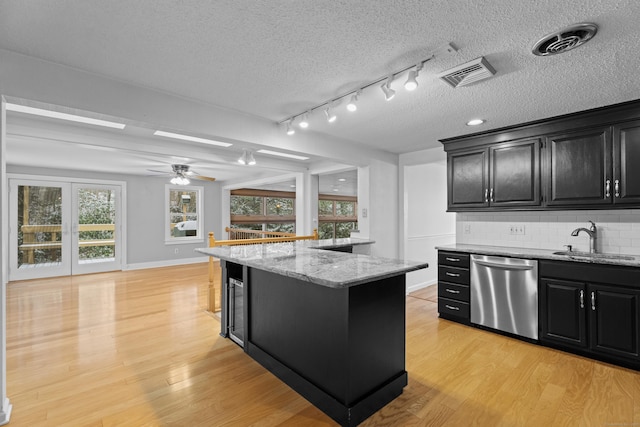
(63, 228)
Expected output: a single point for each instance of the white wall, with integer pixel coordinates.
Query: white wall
(618, 230)
(145, 217)
(425, 223)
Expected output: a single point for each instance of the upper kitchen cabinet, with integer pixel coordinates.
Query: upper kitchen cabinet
(502, 175)
(584, 160)
(626, 173)
(579, 169)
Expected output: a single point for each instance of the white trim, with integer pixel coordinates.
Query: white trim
(418, 286)
(165, 263)
(64, 179)
(431, 236)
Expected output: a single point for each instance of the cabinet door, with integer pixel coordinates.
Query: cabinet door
(614, 321)
(580, 168)
(515, 174)
(562, 312)
(467, 179)
(626, 173)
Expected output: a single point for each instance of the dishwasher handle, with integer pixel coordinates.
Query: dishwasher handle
(504, 266)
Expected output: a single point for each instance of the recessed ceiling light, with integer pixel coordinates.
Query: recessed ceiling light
(292, 186)
(191, 138)
(63, 116)
(278, 153)
(475, 122)
(336, 189)
(342, 179)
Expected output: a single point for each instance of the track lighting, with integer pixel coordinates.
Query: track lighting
(290, 130)
(327, 106)
(412, 83)
(351, 106)
(386, 88)
(304, 123)
(330, 116)
(247, 158)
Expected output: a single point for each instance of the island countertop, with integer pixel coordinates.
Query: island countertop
(306, 260)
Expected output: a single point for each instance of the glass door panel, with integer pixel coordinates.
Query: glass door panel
(40, 230)
(96, 237)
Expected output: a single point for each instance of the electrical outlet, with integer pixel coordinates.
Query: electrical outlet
(467, 229)
(520, 230)
(176, 251)
(512, 229)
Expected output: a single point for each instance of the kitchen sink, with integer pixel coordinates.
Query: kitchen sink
(577, 254)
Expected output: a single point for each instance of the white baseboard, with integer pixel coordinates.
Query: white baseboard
(165, 263)
(417, 286)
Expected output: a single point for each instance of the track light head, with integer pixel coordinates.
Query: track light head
(247, 158)
(251, 160)
(304, 123)
(351, 106)
(386, 88)
(411, 83)
(330, 116)
(290, 130)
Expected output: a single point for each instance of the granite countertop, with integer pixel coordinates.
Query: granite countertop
(610, 259)
(306, 261)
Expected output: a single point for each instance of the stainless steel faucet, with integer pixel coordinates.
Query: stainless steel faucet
(593, 235)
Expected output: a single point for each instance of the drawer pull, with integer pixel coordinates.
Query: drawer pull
(453, 259)
(450, 307)
(452, 291)
(452, 274)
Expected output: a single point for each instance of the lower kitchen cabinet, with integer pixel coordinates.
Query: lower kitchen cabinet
(601, 320)
(453, 286)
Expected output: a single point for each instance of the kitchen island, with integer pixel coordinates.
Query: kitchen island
(331, 325)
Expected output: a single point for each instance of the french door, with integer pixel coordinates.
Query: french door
(62, 228)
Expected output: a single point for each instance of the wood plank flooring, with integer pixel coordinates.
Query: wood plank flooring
(137, 348)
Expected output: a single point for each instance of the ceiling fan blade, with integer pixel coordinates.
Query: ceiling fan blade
(202, 178)
(159, 172)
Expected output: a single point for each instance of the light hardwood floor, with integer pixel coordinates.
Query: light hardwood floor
(138, 349)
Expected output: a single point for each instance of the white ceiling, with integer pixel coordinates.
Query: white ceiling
(276, 58)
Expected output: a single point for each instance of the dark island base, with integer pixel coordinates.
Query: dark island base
(343, 349)
(342, 414)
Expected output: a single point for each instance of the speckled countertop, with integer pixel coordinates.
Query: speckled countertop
(303, 260)
(610, 259)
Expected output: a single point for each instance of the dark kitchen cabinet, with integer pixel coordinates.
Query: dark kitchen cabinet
(453, 286)
(580, 166)
(562, 312)
(594, 319)
(587, 160)
(502, 175)
(626, 173)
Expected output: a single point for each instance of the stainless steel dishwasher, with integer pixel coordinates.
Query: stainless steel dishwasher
(504, 294)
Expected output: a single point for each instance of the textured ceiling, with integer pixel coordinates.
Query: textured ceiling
(275, 58)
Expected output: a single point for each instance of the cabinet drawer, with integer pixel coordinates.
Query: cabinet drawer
(453, 290)
(453, 307)
(454, 259)
(453, 274)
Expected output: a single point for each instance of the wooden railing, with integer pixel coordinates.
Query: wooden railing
(215, 296)
(241, 233)
(30, 244)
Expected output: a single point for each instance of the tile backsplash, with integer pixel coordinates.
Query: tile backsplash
(618, 230)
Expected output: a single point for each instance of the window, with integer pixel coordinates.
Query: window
(337, 216)
(263, 210)
(184, 214)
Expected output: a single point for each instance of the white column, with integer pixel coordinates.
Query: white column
(5, 406)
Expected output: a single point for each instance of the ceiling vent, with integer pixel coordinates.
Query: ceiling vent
(564, 40)
(470, 72)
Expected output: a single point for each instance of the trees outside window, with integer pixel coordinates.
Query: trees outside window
(184, 214)
(337, 216)
(263, 210)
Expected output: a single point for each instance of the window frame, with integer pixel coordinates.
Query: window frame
(180, 240)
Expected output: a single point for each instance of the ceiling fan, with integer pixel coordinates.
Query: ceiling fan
(182, 174)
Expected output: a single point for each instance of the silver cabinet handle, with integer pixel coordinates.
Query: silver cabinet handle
(486, 195)
(491, 195)
(581, 298)
(450, 307)
(593, 301)
(453, 259)
(607, 191)
(452, 291)
(452, 274)
(616, 187)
